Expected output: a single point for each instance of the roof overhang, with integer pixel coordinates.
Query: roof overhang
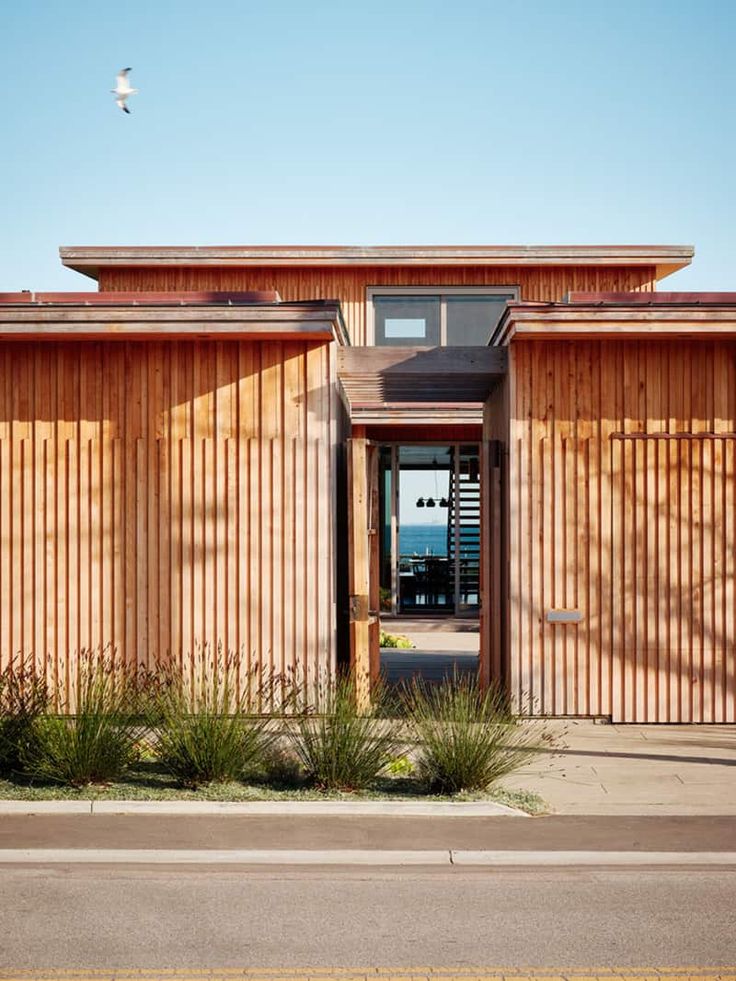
(108, 317)
(631, 318)
(90, 259)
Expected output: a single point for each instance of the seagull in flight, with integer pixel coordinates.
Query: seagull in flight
(122, 89)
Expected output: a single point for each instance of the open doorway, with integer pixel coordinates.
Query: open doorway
(429, 555)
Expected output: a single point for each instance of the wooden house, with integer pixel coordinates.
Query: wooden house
(204, 453)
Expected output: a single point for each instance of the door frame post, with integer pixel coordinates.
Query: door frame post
(359, 564)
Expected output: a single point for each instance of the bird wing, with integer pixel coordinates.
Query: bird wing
(120, 103)
(121, 79)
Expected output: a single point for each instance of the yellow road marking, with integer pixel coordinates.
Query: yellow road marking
(466, 973)
(506, 971)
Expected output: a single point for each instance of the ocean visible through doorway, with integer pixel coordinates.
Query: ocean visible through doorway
(424, 539)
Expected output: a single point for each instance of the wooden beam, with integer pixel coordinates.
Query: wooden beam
(456, 414)
(359, 564)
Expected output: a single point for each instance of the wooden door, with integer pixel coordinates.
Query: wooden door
(673, 572)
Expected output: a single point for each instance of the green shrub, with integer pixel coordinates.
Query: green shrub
(466, 739)
(400, 766)
(204, 735)
(395, 640)
(342, 747)
(23, 698)
(95, 745)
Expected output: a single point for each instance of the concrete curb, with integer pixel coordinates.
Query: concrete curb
(45, 807)
(361, 857)
(315, 808)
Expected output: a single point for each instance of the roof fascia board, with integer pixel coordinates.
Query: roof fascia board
(613, 332)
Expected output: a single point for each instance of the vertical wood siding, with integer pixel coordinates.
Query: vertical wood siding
(673, 546)
(162, 498)
(349, 284)
(636, 533)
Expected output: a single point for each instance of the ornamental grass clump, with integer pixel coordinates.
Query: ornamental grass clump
(466, 738)
(342, 746)
(23, 698)
(96, 742)
(204, 732)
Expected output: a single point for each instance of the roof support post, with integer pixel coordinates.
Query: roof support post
(359, 565)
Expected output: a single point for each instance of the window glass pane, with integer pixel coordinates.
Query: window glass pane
(407, 320)
(471, 319)
(405, 327)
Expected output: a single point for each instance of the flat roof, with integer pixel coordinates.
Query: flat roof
(89, 259)
(620, 315)
(169, 298)
(662, 298)
(156, 316)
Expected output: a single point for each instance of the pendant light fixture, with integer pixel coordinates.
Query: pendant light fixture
(420, 502)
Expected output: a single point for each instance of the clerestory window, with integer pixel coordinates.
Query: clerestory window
(436, 316)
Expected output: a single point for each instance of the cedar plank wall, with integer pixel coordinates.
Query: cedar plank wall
(639, 535)
(348, 284)
(157, 497)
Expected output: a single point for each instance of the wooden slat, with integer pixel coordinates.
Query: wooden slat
(117, 481)
(231, 587)
(729, 581)
(141, 554)
(6, 553)
(70, 653)
(188, 561)
(616, 621)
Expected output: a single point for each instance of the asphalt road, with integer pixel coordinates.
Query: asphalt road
(82, 917)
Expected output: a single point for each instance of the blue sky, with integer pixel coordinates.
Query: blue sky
(367, 123)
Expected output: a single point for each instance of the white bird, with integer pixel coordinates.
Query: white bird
(122, 89)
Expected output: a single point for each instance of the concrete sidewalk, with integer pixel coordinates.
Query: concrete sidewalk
(405, 834)
(226, 841)
(635, 770)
